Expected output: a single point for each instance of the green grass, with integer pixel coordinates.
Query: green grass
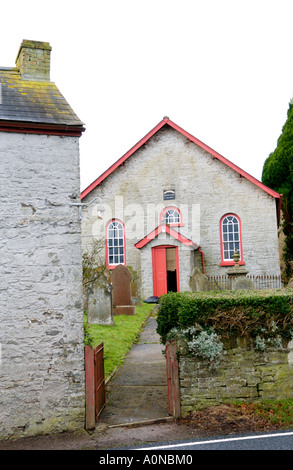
(118, 338)
(279, 412)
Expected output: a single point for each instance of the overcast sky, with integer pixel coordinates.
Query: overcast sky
(221, 69)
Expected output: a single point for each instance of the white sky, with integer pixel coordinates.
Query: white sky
(221, 69)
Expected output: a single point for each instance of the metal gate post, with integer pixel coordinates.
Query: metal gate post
(173, 379)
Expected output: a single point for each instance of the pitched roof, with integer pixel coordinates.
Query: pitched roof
(173, 233)
(27, 105)
(167, 122)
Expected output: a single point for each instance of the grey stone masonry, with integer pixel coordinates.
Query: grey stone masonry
(244, 374)
(41, 303)
(33, 60)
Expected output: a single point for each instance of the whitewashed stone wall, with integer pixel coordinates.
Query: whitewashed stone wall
(41, 304)
(205, 188)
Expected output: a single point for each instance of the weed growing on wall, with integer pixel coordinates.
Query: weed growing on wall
(208, 346)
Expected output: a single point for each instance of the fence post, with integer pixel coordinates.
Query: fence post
(173, 379)
(90, 421)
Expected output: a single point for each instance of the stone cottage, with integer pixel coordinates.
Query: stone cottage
(172, 204)
(41, 304)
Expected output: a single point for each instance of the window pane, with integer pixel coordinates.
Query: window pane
(230, 237)
(115, 243)
(171, 216)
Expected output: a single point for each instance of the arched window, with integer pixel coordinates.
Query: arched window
(171, 216)
(231, 239)
(115, 243)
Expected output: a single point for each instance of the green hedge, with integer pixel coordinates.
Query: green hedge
(229, 313)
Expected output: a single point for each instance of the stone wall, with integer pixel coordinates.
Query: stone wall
(244, 374)
(205, 190)
(41, 303)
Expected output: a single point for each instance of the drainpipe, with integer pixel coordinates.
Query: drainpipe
(202, 257)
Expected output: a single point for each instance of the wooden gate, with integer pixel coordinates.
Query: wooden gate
(173, 379)
(95, 384)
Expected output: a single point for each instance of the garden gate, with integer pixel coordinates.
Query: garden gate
(173, 379)
(95, 384)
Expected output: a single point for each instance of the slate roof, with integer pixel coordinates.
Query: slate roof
(37, 102)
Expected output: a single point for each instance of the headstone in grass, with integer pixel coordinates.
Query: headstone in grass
(122, 304)
(99, 302)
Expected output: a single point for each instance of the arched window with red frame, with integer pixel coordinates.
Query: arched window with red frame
(171, 216)
(115, 243)
(231, 239)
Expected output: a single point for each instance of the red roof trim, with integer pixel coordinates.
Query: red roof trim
(36, 128)
(121, 160)
(225, 160)
(193, 139)
(173, 233)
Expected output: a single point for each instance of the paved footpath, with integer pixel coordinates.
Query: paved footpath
(138, 390)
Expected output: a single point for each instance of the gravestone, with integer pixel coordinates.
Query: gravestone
(238, 274)
(99, 302)
(121, 279)
(198, 281)
(242, 283)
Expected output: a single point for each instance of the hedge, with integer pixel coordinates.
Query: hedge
(229, 313)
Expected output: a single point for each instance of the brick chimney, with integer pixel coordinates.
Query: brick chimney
(33, 60)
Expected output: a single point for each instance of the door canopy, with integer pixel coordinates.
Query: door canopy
(165, 228)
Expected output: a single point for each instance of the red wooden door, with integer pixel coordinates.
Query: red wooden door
(159, 271)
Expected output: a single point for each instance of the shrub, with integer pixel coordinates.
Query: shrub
(204, 344)
(267, 315)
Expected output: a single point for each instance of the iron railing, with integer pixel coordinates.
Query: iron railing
(261, 281)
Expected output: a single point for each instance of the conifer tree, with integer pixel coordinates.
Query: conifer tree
(278, 175)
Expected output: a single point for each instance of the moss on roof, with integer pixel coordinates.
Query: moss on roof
(33, 101)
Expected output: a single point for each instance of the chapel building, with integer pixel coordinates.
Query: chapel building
(172, 204)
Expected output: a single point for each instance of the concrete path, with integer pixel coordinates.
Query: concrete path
(138, 390)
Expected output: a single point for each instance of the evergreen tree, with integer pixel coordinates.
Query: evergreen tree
(278, 175)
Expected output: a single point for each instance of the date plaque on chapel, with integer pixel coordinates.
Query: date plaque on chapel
(168, 194)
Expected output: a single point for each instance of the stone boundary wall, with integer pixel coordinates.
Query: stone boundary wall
(244, 374)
